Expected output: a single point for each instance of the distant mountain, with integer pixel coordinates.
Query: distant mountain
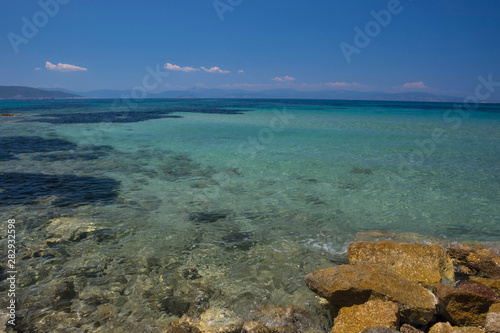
(275, 93)
(20, 92)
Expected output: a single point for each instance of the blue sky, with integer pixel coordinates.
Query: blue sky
(433, 46)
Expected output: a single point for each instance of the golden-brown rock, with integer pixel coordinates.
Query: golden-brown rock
(441, 328)
(425, 264)
(370, 314)
(348, 285)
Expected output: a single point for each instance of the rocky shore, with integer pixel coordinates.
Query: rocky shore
(386, 287)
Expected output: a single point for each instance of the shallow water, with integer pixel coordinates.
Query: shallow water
(129, 216)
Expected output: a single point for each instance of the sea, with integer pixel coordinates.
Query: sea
(130, 214)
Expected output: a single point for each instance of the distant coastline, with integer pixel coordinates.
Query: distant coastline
(26, 93)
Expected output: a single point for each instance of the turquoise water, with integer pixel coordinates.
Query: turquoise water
(167, 206)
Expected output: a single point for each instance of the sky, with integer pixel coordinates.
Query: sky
(440, 46)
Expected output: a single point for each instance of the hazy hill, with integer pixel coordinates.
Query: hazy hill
(20, 92)
(275, 93)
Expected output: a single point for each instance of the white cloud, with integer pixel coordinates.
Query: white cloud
(38, 69)
(284, 78)
(214, 70)
(178, 68)
(414, 85)
(241, 71)
(63, 67)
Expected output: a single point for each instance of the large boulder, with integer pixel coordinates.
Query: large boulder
(348, 285)
(476, 260)
(425, 264)
(370, 314)
(461, 307)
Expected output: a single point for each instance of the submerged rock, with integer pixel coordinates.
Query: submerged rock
(214, 320)
(424, 264)
(347, 285)
(461, 307)
(370, 314)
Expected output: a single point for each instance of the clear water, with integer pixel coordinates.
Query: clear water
(167, 206)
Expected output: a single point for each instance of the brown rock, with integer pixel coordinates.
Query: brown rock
(462, 307)
(481, 261)
(478, 288)
(380, 330)
(492, 283)
(409, 329)
(7, 115)
(425, 264)
(468, 329)
(347, 285)
(370, 314)
(492, 323)
(441, 328)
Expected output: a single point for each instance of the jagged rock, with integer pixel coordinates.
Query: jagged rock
(478, 288)
(481, 261)
(370, 314)
(425, 264)
(405, 328)
(462, 307)
(347, 285)
(492, 323)
(492, 283)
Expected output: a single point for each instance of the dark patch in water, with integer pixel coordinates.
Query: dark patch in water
(238, 240)
(86, 154)
(201, 217)
(25, 188)
(11, 145)
(124, 116)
